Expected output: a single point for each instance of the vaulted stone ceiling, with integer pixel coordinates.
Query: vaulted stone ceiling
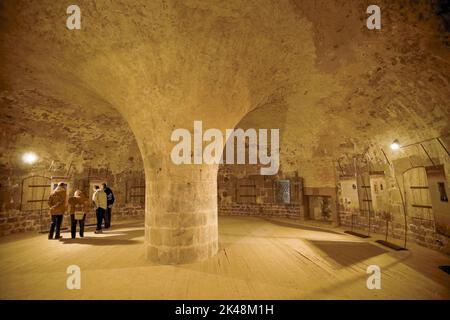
(310, 68)
(65, 135)
(374, 87)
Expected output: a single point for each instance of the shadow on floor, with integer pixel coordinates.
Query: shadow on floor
(300, 226)
(118, 237)
(348, 253)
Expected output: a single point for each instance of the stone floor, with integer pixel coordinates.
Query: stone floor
(258, 259)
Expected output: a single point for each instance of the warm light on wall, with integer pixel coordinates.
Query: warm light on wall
(29, 157)
(395, 145)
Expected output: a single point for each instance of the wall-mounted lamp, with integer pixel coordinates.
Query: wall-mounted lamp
(29, 157)
(395, 145)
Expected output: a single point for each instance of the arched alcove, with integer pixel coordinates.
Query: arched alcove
(73, 143)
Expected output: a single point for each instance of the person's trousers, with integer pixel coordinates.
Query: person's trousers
(73, 225)
(108, 217)
(100, 212)
(55, 226)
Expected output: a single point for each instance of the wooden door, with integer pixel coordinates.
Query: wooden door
(35, 193)
(417, 195)
(246, 191)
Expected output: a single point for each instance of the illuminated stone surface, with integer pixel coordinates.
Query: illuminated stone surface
(309, 68)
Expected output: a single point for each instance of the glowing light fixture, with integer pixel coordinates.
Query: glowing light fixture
(395, 145)
(29, 157)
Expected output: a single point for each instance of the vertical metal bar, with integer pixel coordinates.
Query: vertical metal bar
(425, 150)
(70, 167)
(355, 165)
(126, 191)
(236, 192)
(387, 228)
(443, 146)
(21, 195)
(404, 208)
(369, 203)
(401, 196)
(385, 156)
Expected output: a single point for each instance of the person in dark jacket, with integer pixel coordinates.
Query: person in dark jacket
(109, 201)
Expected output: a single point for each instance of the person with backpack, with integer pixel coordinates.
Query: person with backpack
(109, 201)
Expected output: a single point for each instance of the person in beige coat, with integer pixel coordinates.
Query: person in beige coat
(100, 204)
(78, 208)
(57, 208)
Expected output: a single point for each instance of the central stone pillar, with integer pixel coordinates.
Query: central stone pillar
(181, 213)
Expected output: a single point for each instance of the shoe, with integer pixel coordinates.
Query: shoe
(57, 238)
(98, 231)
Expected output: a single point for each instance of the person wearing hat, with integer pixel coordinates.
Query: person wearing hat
(78, 207)
(57, 208)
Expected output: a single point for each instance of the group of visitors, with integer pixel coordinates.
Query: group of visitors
(78, 206)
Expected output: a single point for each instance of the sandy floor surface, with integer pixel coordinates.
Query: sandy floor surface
(257, 259)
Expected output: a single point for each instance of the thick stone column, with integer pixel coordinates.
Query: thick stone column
(181, 213)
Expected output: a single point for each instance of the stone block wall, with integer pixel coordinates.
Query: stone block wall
(247, 193)
(15, 221)
(420, 231)
(263, 209)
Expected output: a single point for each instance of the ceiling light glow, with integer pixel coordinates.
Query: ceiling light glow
(29, 157)
(395, 145)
